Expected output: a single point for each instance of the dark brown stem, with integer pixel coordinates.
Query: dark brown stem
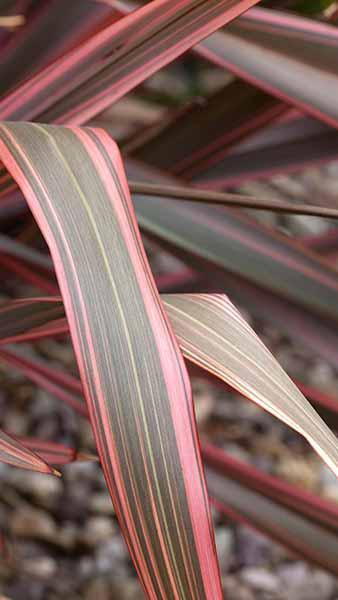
(233, 200)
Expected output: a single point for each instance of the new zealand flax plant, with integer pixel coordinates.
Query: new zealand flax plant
(62, 65)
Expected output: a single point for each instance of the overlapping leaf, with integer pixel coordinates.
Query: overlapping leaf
(16, 454)
(206, 131)
(55, 453)
(22, 315)
(285, 147)
(288, 56)
(212, 333)
(19, 316)
(233, 243)
(300, 521)
(60, 384)
(86, 80)
(132, 372)
(51, 28)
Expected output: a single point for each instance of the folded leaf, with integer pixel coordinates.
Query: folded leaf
(213, 334)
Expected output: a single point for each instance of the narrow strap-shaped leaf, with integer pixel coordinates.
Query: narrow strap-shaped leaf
(55, 453)
(307, 539)
(291, 57)
(213, 334)
(233, 243)
(29, 255)
(59, 327)
(133, 375)
(282, 148)
(20, 316)
(14, 453)
(17, 319)
(18, 267)
(117, 59)
(291, 516)
(53, 28)
(60, 384)
(204, 133)
(318, 509)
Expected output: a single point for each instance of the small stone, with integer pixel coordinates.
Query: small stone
(98, 589)
(101, 503)
(331, 492)
(224, 543)
(203, 399)
(112, 555)
(45, 489)
(42, 567)
(128, 589)
(57, 351)
(329, 483)
(15, 422)
(303, 472)
(234, 589)
(98, 530)
(237, 452)
(31, 522)
(86, 567)
(260, 579)
(253, 548)
(322, 375)
(67, 536)
(303, 583)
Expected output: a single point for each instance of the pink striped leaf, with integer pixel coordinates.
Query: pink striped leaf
(291, 57)
(213, 334)
(206, 131)
(319, 510)
(109, 64)
(18, 267)
(232, 243)
(28, 255)
(16, 319)
(282, 148)
(55, 453)
(133, 375)
(51, 28)
(19, 316)
(14, 453)
(57, 328)
(56, 382)
(302, 522)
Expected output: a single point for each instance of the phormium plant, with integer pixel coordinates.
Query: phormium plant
(129, 340)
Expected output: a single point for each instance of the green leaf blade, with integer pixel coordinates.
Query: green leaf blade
(133, 375)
